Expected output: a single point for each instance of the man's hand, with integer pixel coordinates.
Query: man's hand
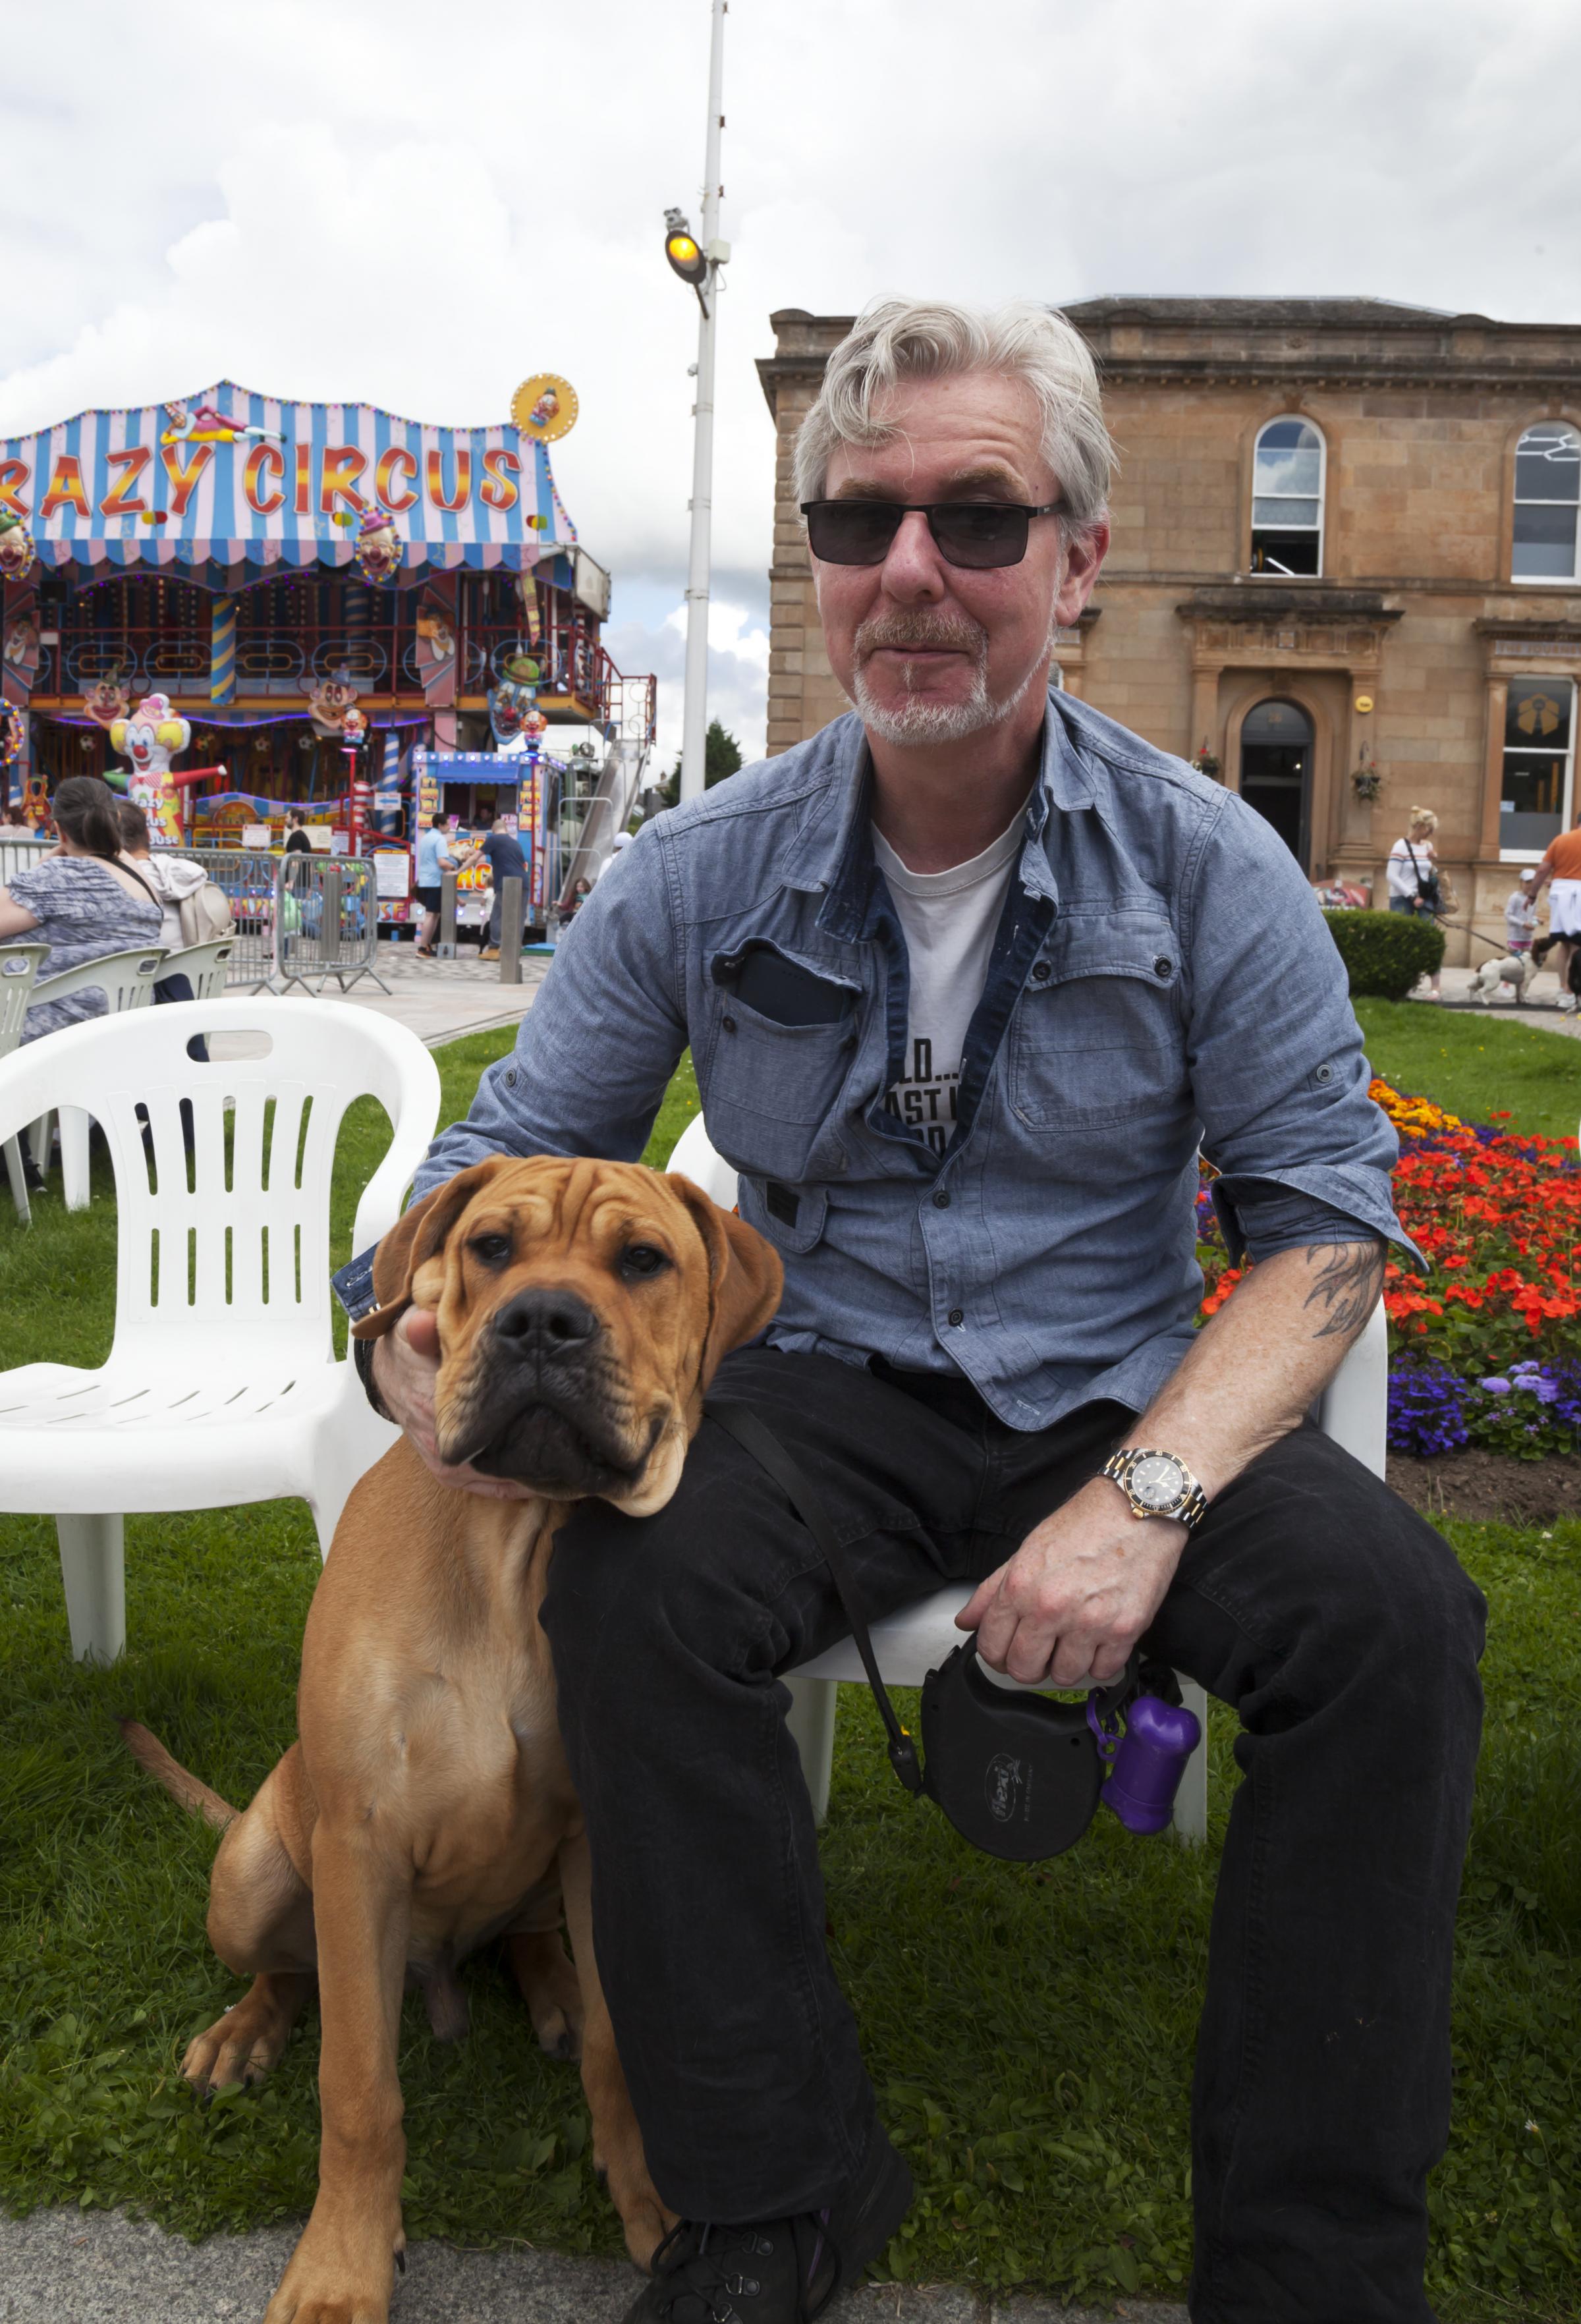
(406, 1364)
(1079, 1593)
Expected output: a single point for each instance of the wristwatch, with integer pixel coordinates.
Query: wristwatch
(1157, 1484)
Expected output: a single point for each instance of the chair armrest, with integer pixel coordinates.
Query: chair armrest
(1353, 1408)
(415, 1112)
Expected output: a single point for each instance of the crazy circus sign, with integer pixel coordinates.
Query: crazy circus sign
(230, 478)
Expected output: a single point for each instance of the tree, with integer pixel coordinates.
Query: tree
(721, 756)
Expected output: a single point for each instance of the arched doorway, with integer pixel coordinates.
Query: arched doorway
(1276, 771)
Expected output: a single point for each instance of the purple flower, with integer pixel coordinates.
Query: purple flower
(1495, 1387)
(1427, 1409)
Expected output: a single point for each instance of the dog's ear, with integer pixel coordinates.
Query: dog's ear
(417, 1236)
(745, 1278)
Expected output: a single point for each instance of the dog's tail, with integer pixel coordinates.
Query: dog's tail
(195, 1797)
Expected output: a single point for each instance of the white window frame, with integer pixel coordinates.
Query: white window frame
(1566, 817)
(1544, 580)
(1306, 420)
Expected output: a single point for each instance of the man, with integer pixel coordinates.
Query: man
(1562, 865)
(435, 857)
(966, 977)
(501, 850)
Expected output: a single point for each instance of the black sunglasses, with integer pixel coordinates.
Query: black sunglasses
(974, 533)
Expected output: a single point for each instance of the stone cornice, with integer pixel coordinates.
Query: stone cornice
(1260, 603)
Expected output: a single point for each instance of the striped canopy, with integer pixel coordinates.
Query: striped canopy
(146, 487)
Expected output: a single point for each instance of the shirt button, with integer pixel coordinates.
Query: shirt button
(728, 1023)
(941, 1200)
(1163, 965)
(511, 1078)
(1040, 971)
(1323, 1074)
(958, 1316)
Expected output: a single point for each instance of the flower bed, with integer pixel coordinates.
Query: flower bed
(1486, 1350)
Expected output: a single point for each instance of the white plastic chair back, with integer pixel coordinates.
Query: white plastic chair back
(126, 980)
(205, 967)
(234, 1237)
(19, 966)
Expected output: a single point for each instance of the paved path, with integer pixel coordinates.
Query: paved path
(96, 2267)
(1540, 1009)
(440, 1000)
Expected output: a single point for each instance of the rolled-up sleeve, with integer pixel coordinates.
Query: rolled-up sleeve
(1274, 1050)
(596, 1051)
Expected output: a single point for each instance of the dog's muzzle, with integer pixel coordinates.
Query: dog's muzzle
(545, 1410)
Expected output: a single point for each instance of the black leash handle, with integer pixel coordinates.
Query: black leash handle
(756, 1437)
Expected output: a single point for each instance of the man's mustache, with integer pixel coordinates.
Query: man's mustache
(898, 631)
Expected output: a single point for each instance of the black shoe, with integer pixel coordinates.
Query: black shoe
(777, 2271)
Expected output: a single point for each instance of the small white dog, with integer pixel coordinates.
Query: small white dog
(1516, 968)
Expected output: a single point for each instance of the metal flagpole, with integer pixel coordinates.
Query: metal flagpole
(695, 724)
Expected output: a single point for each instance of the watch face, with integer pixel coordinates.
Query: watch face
(1157, 1480)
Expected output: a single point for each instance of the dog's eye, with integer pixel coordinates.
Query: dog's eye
(643, 1259)
(492, 1250)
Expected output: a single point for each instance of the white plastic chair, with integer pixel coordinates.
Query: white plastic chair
(222, 1386)
(205, 967)
(126, 980)
(1353, 1410)
(19, 966)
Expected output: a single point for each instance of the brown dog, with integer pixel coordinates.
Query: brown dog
(427, 1806)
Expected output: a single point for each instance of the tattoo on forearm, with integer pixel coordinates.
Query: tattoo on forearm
(1350, 1275)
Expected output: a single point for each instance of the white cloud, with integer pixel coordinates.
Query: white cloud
(379, 199)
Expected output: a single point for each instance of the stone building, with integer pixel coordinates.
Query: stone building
(1344, 559)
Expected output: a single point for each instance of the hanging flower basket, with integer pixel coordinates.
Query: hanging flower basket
(1205, 764)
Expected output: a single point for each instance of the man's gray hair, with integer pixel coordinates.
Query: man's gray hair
(898, 339)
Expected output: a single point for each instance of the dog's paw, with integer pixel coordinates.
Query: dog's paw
(341, 2273)
(245, 2044)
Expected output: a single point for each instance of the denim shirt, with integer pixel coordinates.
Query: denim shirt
(1161, 979)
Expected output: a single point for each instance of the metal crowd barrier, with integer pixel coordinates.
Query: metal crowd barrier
(297, 919)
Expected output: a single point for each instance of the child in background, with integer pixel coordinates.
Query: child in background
(1520, 913)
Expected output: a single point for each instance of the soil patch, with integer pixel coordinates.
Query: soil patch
(1490, 1486)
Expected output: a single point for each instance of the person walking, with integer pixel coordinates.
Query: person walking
(435, 857)
(1521, 913)
(297, 842)
(976, 907)
(1560, 872)
(81, 898)
(1414, 882)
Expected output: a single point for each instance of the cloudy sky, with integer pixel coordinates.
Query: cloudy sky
(420, 206)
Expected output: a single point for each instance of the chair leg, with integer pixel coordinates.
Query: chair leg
(14, 1172)
(93, 1566)
(1191, 1799)
(812, 1722)
(39, 1140)
(74, 1162)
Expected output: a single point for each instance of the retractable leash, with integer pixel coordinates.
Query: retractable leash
(1019, 1776)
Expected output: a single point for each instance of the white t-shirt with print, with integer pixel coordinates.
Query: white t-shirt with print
(949, 920)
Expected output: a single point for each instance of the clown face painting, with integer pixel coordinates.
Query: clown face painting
(328, 702)
(378, 547)
(16, 547)
(105, 700)
(150, 738)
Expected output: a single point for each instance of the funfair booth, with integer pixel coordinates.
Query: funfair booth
(235, 606)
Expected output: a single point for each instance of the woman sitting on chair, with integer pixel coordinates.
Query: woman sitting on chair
(82, 900)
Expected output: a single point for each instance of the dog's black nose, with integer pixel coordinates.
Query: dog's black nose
(545, 1323)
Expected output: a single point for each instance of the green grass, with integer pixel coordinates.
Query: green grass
(1476, 1065)
(1030, 2031)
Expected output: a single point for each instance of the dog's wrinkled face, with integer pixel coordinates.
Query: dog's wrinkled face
(582, 1308)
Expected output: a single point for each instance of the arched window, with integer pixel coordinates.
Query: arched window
(1548, 495)
(1287, 499)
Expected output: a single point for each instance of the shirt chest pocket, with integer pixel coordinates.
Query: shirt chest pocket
(783, 1040)
(1097, 1042)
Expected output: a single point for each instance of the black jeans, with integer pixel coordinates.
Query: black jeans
(1334, 1621)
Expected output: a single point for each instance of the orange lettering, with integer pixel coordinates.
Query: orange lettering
(343, 464)
(185, 476)
(261, 457)
(123, 499)
(384, 479)
(500, 469)
(13, 476)
(66, 488)
(436, 481)
(304, 476)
